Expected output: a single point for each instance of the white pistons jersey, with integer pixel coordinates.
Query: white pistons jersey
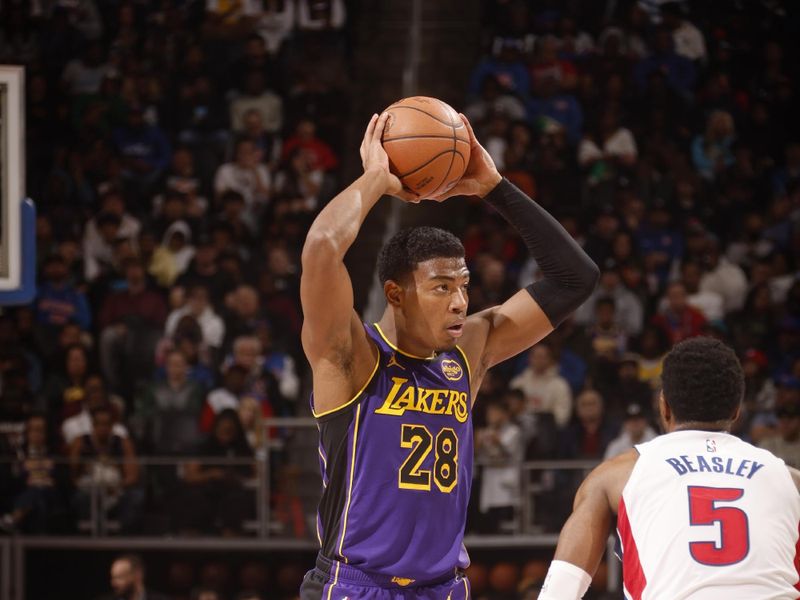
(706, 516)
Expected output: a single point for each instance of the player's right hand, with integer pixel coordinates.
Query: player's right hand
(375, 159)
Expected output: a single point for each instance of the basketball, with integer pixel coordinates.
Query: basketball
(427, 143)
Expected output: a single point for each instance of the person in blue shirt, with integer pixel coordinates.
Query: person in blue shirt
(58, 302)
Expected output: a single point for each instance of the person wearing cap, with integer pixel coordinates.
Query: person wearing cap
(635, 430)
(786, 444)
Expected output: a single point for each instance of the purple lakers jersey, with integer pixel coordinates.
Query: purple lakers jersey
(396, 467)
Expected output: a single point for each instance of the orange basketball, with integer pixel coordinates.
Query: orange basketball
(427, 144)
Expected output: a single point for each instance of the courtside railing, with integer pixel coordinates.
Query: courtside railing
(544, 494)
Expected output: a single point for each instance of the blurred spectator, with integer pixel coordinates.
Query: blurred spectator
(545, 390)
(506, 66)
(679, 71)
(754, 325)
(203, 270)
(216, 499)
(494, 99)
(167, 411)
(172, 257)
(181, 178)
(588, 436)
(660, 244)
(608, 339)
(607, 150)
(144, 149)
(628, 309)
(130, 322)
(500, 448)
(229, 396)
(300, 184)
(723, 277)
(64, 389)
(305, 136)
(246, 175)
(39, 500)
(549, 65)
(786, 444)
(712, 152)
(127, 580)
(57, 301)
(635, 430)
(198, 306)
(711, 304)
(104, 463)
(625, 388)
(679, 320)
(280, 364)
(94, 396)
(274, 23)
(111, 224)
(256, 96)
(83, 75)
(268, 143)
(688, 40)
(551, 102)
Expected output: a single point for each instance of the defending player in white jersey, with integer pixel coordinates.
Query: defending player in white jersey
(701, 515)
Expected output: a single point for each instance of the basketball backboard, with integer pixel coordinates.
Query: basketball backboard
(17, 215)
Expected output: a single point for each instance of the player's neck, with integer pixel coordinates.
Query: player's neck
(393, 331)
(714, 426)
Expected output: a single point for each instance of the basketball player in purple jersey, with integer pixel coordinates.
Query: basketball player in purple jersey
(394, 399)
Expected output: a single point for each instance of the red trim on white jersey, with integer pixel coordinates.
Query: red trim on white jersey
(633, 578)
(797, 559)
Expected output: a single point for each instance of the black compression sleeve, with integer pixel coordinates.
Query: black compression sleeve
(569, 274)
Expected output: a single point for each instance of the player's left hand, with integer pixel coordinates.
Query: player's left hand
(481, 175)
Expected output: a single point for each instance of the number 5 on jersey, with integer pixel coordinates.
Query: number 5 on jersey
(411, 475)
(734, 531)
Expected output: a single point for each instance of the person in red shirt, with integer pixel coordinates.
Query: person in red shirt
(305, 136)
(131, 322)
(679, 320)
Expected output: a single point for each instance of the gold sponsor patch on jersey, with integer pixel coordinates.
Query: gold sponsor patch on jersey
(452, 370)
(403, 581)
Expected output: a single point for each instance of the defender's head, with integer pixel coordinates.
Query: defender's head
(425, 279)
(703, 384)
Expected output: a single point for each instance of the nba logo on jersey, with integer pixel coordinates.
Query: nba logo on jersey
(711, 446)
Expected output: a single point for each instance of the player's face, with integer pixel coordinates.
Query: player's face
(435, 302)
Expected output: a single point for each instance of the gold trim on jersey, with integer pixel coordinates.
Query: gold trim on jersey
(335, 579)
(466, 589)
(396, 349)
(354, 398)
(466, 361)
(350, 485)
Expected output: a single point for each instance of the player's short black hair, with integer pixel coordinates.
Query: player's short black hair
(409, 247)
(702, 380)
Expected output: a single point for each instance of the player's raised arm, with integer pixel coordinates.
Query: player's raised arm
(333, 338)
(498, 333)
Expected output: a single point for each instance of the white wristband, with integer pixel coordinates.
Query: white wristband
(564, 581)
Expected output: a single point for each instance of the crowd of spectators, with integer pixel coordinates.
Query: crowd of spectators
(664, 137)
(177, 152)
